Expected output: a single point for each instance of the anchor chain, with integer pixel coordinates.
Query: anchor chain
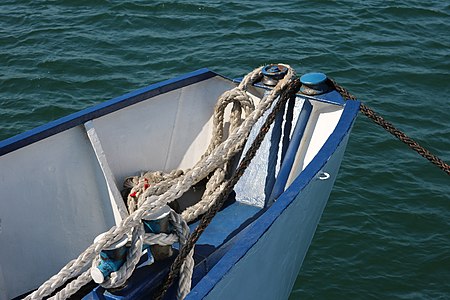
(371, 114)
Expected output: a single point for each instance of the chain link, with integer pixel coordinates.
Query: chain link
(368, 112)
(294, 87)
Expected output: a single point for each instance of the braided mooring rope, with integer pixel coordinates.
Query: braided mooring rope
(376, 118)
(289, 92)
(154, 197)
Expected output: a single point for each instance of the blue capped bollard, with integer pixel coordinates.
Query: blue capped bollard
(111, 259)
(272, 74)
(314, 84)
(158, 222)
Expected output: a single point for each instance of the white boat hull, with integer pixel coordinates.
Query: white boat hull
(269, 267)
(56, 196)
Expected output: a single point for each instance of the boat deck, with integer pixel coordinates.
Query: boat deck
(211, 246)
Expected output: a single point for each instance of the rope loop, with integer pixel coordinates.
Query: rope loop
(153, 190)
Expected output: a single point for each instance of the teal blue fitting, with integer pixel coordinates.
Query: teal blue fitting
(111, 259)
(158, 221)
(273, 73)
(314, 84)
(154, 226)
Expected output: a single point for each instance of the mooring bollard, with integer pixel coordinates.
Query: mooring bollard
(111, 259)
(158, 222)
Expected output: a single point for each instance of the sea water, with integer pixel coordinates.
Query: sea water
(385, 232)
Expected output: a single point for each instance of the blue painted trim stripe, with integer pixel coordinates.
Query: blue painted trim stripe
(286, 167)
(78, 118)
(256, 230)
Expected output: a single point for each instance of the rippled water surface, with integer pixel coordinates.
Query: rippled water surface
(385, 232)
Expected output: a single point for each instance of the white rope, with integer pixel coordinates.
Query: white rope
(182, 229)
(161, 239)
(167, 188)
(73, 286)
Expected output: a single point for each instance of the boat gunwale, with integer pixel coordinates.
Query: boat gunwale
(255, 230)
(250, 235)
(80, 117)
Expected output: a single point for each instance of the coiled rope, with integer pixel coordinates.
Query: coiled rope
(389, 127)
(290, 91)
(172, 187)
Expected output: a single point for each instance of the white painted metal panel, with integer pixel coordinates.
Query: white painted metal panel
(53, 203)
(322, 122)
(270, 267)
(168, 132)
(54, 199)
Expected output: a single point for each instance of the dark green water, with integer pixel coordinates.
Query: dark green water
(385, 232)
